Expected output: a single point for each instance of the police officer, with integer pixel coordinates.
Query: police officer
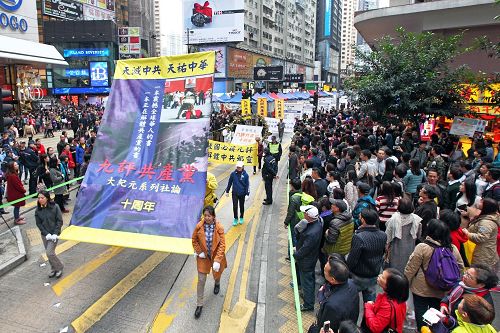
(269, 172)
(275, 148)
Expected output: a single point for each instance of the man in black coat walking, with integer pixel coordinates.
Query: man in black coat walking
(269, 172)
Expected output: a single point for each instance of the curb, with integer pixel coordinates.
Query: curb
(17, 260)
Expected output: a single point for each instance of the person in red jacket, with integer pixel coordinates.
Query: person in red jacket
(389, 308)
(15, 190)
(458, 237)
(71, 160)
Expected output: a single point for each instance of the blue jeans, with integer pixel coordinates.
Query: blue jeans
(308, 284)
(367, 286)
(16, 212)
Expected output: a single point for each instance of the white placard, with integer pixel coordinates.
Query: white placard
(245, 135)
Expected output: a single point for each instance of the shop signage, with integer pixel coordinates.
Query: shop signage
(102, 4)
(68, 53)
(91, 13)
(8, 20)
(294, 77)
(65, 9)
(99, 76)
(76, 72)
(270, 73)
(129, 42)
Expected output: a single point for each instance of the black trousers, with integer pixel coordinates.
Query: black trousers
(421, 305)
(32, 181)
(59, 199)
(268, 185)
(259, 158)
(241, 200)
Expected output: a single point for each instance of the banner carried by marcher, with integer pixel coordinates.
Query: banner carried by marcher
(246, 108)
(229, 153)
(150, 156)
(272, 123)
(279, 108)
(245, 134)
(262, 107)
(467, 126)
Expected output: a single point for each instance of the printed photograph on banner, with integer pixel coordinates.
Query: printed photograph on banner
(187, 99)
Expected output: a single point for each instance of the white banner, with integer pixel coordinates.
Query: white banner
(245, 135)
(289, 121)
(467, 126)
(91, 13)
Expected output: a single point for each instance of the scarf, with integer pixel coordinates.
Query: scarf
(399, 221)
(457, 293)
(209, 236)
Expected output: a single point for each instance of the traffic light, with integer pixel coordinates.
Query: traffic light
(314, 99)
(5, 106)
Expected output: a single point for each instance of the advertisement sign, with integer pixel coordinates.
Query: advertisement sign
(76, 72)
(91, 13)
(328, 17)
(213, 22)
(279, 108)
(99, 74)
(65, 9)
(245, 134)
(467, 126)
(246, 107)
(102, 4)
(239, 64)
(270, 73)
(69, 53)
(220, 59)
(229, 153)
(18, 19)
(427, 129)
(262, 107)
(294, 77)
(129, 42)
(146, 160)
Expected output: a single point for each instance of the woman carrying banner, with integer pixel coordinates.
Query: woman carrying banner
(209, 245)
(49, 220)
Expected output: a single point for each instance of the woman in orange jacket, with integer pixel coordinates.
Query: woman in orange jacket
(209, 245)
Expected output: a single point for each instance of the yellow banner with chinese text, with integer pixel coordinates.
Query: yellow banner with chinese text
(279, 108)
(262, 107)
(228, 153)
(171, 67)
(246, 107)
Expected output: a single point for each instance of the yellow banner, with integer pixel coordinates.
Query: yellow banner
(171, 67)
(228, 153)
(279, 108)
(262, 107)
(246, 108)
(475, 96)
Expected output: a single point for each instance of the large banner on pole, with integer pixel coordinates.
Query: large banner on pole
(145, 185)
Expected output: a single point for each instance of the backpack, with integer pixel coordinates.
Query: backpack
(443, 272)
(305, 199)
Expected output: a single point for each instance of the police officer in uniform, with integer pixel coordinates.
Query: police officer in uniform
(275, 148)
(269, 172)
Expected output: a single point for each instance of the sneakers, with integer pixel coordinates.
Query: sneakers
(241, 220)
(304, 308)
(52, 274)
(235, 222)
(58, 274)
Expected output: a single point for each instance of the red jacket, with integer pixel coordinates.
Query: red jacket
(15, 189)
(378, 314)
(71, 162)
(458, 236)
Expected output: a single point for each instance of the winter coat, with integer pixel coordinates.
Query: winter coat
(217, 252)
(57, 178)
(49, 219)
(418, 262)
(411, 181)
(294, 204)
(15, 189)
(307, 249)
(380, 315)
(239, 182)
(367, 252)
(465, 327)
(363, 202)
(483, 232)
(80, 153)
(210, 188)
(458, 237)
(270, 167)
(339, 236)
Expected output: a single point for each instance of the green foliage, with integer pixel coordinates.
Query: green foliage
(410, 76)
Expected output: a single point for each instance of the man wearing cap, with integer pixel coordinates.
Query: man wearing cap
(241, 188)
(307, 251)
(364, 201)
(269, 172)
(338, 235)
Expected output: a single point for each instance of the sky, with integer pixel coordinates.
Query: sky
(171, 16)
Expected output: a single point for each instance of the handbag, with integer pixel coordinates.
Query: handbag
(40, 187)
(391, 328)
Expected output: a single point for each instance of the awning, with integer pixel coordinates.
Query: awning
(19, 51)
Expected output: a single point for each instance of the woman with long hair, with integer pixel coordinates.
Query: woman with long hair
(414, 176)
(386, 204)
(467, 196)
(43, 172)
(15, 190)
(389, 308)
(49, 221)
(350, 189)
(390, 166)
(57, 178)
(309, 188)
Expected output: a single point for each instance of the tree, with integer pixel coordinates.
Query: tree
(410, 77)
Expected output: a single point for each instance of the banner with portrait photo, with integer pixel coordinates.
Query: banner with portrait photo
(150, 156)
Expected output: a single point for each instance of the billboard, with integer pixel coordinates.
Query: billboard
(328, 17)
(69, 53)
(150, 157)
(91, 13)
(129, 42)
(76, 72)
(241, 63)
(65, 9)
(18, 19)
(220, 59)
(99, 76)
(269, 73)
(218, 21)
(102, 4)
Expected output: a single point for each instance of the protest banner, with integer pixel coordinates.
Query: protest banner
(150, 157)
(289, 121)
(427, 129)
(246, 108)
(245, 134)
(262, 107)
(467, 126)
(279, 108)
(228, 153)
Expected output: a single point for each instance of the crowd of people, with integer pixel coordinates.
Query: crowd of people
(410, 224)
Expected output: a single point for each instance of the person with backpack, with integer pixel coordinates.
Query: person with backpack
(239, 181)
(364, 201)
(433, 268)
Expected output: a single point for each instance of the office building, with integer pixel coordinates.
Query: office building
(157, 30)
(141, 13)
(349, 36)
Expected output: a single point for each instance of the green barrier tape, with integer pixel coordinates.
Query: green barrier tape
(36, 194)
(294, 273)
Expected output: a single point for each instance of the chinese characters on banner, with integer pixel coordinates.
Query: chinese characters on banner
(262, 107)
(246, 108)
(467, 126)
(279, 108)
(245, 134)
(228, 153)
(150, 157)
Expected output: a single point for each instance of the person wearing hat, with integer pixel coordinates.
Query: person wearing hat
(269, 172)
(364, 201)
(338, 235)
(239, 181)
(309, 233)
(275, 148)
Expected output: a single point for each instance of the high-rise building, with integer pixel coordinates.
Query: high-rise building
(141, 14)
(157, 30)
(349, 35)
(328, 34)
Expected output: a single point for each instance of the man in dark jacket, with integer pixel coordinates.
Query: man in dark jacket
(367, 254)
(427, 208)
(269, 172)
(450, 194)
(239, 181)
(294, 204)
(492, 190)
(339, 233)
(306, 253)
(30, 161)
(338, 297)
(293, 163)
(320, 184)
